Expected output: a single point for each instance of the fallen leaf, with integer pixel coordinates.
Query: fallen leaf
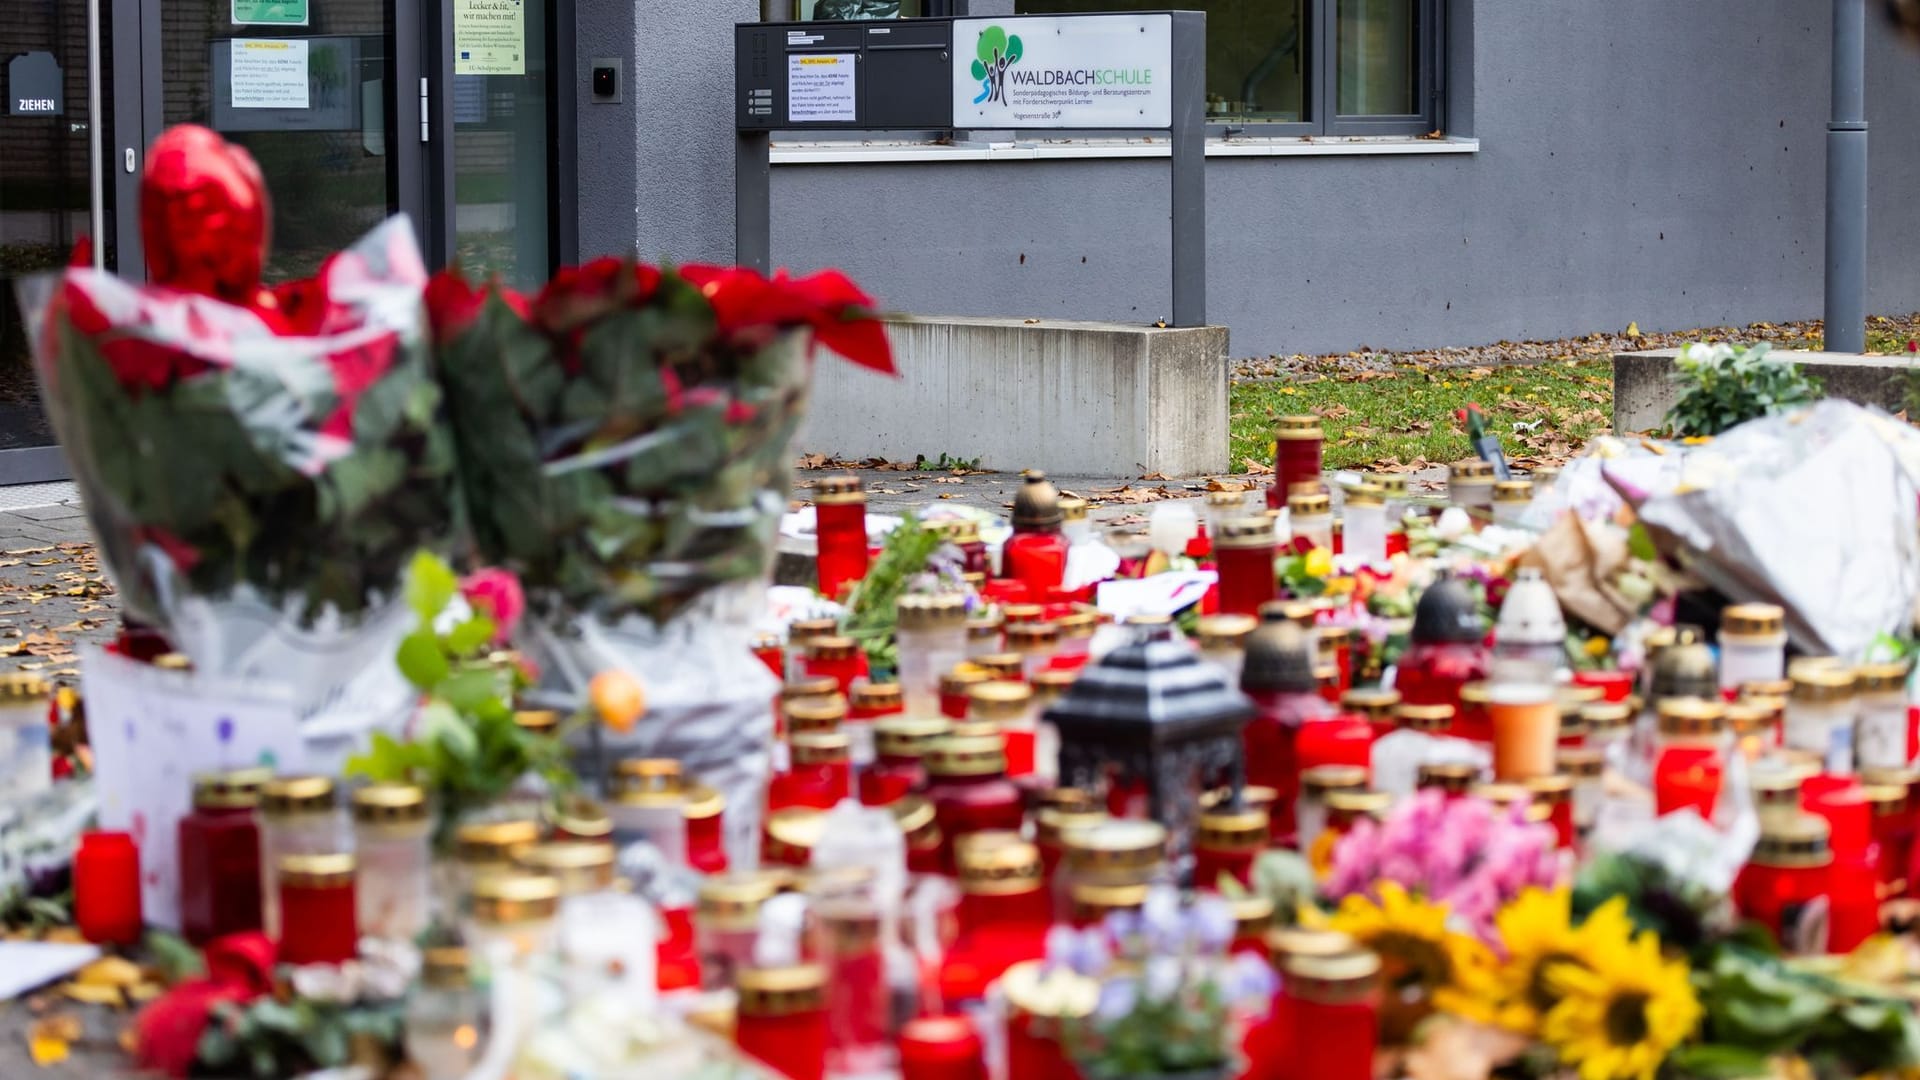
(109, 971)
(1633, 329)
(1155, 476)
(1225, 485)
(42, 550)
(94, 995)
(812, 461)
(1257, 468)
(947, 480)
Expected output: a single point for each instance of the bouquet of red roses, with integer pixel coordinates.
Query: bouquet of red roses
(624, 435)
(283, 446)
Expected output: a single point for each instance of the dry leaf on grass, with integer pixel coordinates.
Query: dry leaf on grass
(1257, 468)
(1128, 495)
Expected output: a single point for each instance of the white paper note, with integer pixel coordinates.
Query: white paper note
(152, 732)
(269, 73)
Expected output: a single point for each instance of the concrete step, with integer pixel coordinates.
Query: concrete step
(1643, 387)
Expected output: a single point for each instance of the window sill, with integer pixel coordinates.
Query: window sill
(879, 153)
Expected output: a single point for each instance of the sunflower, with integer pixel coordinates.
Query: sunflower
(1428, 966)
(1619, 1017)
(1539, 935)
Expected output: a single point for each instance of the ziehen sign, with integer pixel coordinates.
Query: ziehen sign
(1089, 71)
(35, 86)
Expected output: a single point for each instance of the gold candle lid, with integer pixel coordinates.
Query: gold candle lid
(1452, 777)
(1288, 428)
(1289, 941)
(537, 721)
(1245, 534)
(1581, 762)
(1776, 787)
(782, 991)
(1093, 901)
(1550, 790)
(802, 631)
(389, 804)
(1232, 830)
(996, 864)
(962, 678)
(793, 833)
(1371, 702)
(1222, 499)
(1394, 484)
(1013, 615)
(972, 756)
(1475, 693)
(1428, 718)
(1905, 776)
(998, 701)
(909, 736)
(580, 867)
(1340, 978)
(1080, 623)
(930, 612)
(1120, 849)
(840, 489)
(881, 696)
(1471, 470)
(832, 647)
(1603, 717)
(1688, 717)
(1813, 683)
(1365, 494)
(914, 815)
(1767, 688)
(494, 842)
(1252, 797)
(1073, 508)
(1252, 917)
(1503, 795)
(1513, 491)
(23, 685)
(816, 713)
(1051, 824)
(703, 802)
(237, 789)
(732, 901)
(1050, 685)
(809, 686)
(1225, 631)
(1070, 799)
(647, 782)
(580, 817)
(1005, 666)
(1298, 612)
(297, 795)
(1033, 988)
(1310, 505)
(1347, 806)
(1881, 678)
(1798, 841)
(1752, 620)
(1751, 716)
(317, 871)
(819, 747)
(1886, 799)
(1032, 638)
(982, 627)
(447, 967)
(1322, 780)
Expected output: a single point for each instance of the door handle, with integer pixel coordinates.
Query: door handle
(96, 149)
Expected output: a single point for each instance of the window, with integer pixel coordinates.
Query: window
(1308, 67)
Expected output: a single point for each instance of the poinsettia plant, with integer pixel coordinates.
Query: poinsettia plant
(623, 434)
(230, 436)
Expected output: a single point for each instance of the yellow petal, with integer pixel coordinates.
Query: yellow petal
(109, 971)
(45, 1050)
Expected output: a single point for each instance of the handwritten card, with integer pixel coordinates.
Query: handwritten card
(153, 731)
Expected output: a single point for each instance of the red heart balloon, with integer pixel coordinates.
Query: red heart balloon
(204, 215)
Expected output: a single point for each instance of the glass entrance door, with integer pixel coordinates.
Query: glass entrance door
(306, 86)
(45, 181)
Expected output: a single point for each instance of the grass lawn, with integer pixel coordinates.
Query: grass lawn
(1402, 418)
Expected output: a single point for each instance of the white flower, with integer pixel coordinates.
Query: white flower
(1453, 524)
(1162, 978)
(337, 983)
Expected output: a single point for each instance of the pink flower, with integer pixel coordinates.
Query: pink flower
(496, 593)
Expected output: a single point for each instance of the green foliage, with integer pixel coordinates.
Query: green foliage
(466, 749)
(1185, 1033)
(268, 1039)
(1679, 911)
(871, 604)
(32, 914)
(1286, 878)
(1756, 1004)
(1722, 386)
(945, 463)
(176, 959)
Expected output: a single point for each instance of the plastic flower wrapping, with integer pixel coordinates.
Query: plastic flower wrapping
(259, 463)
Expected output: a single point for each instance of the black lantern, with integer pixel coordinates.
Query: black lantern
(1153, 711)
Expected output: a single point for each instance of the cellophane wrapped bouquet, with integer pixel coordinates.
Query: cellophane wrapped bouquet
(624, 440)
(258, 463)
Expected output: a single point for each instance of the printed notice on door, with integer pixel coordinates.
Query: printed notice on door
(489, 37)
(269, 12)
(821, 89)
(269, 73)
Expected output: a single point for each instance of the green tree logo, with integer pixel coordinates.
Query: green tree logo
(995, 53)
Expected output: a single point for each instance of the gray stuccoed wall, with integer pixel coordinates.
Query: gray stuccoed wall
(1640, 161)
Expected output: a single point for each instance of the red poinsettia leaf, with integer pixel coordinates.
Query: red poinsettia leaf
(354, 370)
(863, 340)
(452, 303)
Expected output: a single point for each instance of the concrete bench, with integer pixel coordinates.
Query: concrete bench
(1643, 387)
(1098, 399)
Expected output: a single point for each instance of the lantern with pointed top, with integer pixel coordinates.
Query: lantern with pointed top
(1154, 712)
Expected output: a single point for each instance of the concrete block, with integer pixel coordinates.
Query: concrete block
(1643, 389)
(1101, 399)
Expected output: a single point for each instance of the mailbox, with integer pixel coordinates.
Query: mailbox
(844, 76)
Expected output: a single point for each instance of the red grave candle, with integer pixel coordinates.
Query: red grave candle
(1614, 685)
(1270, 743)
(836, 658)
(1331, 1006)
(1787, 873)
(1687, 777)
(1226, 844)
(969, 789)
(106, 888)
(1244, 556)
(1037, 560)
(840, 511)
(941, 1048)
(219, 852)
(1040, 1005)
(1297, 445)
(1888, 794)
(317, 909)
(822, 769)
(900, 745)
(782, 1019)
(706, 834)
(956, 689)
